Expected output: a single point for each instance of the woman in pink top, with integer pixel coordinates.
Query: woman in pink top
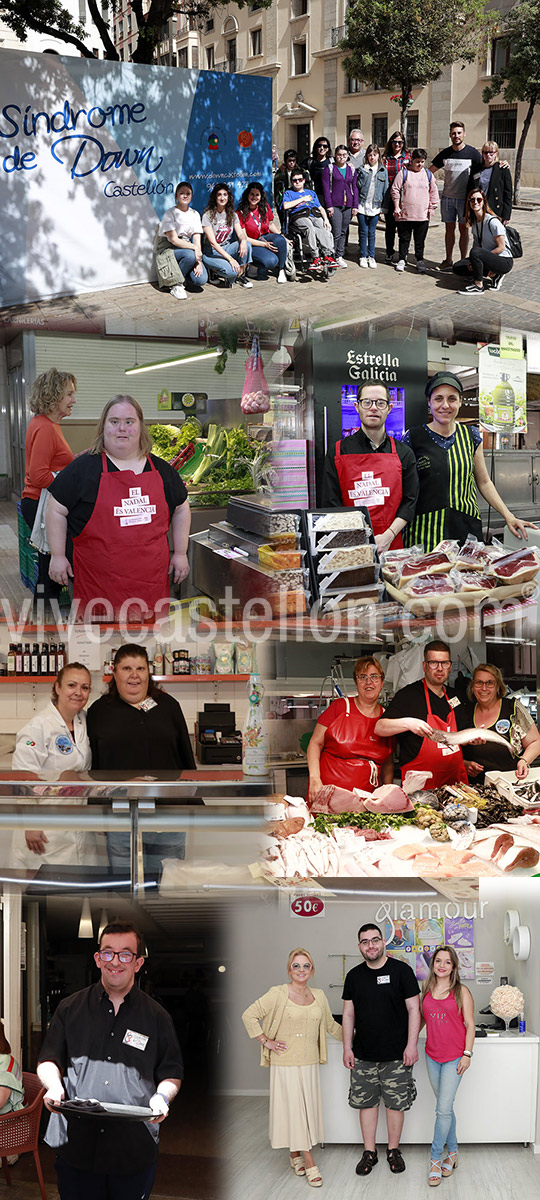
(448, 1014)
(415, 197)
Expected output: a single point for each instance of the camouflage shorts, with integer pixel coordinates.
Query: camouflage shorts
(391, 1081)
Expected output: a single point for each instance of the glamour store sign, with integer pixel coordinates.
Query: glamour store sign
(90, 155)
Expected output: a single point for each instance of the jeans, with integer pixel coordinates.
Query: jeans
(266, 260)
(214, 260)
(340, 221)
(484, 260)
(156, 847)
(366, 234)
(445, 1081)
(418, 229)
(187, 260)
(74, 1184)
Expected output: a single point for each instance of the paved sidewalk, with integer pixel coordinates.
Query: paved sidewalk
(351, 295)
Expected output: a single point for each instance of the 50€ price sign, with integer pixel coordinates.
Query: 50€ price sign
(307, 906)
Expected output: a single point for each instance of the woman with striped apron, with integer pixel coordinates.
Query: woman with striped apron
(451, 466)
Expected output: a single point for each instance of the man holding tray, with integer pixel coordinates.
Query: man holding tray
(371, 469)
(112, 1043)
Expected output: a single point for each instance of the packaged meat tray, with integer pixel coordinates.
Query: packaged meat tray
(520, 567)
(338, 560)
(436, 563)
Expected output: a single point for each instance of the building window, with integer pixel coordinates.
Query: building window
(299, 8)
(210, 59)
(255, 6)
(352, 85)
(502, 125)
(209, 25)
(231, 55)
(380, 129)
(129, 22)
(299, 57)
(411, 129)
(183, 57)
(500, 54)
(256, 42)
(352, 123)
(130, 49)
(195, 57)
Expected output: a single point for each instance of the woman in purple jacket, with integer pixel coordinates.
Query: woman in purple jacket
(340, 199)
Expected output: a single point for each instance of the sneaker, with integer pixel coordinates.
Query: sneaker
(362, 262)
(341, 263)
(421, 266)
(371, 263)
(316, 264)
(282, 278)
(179, 292)
(400, 265)
(471, 290)
(389, 258)
(446, 265)
(496, 282)
(330, 261)
(245, 283)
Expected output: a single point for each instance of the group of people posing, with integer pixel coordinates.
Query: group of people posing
(354, 740)
(422, 488)
(382, 1018)
(135, 729)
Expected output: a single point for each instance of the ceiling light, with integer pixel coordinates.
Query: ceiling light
(180, 361)
(86, 929)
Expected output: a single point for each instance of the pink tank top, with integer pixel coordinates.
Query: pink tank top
(445, 1028)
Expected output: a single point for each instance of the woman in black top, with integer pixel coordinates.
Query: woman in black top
(317, 164)
(489, 707)
(495, 181)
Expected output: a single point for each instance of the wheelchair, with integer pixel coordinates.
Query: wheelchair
(301, 252)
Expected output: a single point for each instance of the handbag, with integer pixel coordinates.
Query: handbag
(38, 536)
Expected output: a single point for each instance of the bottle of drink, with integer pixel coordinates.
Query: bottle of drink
(11, 659)
(44, 659)
(34, 666)
(52, 659)
(26, 659)
(254, 736)
(504, 403)
(19, 659)
(61, 656)
(176, 662)
(158, 660)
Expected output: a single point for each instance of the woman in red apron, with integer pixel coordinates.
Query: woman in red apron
(121, 555)
(343, 748)
(445, 763)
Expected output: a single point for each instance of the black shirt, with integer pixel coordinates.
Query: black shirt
(77, 486)
(359, 443)
(457, 168)
(410, 701)
(87, 1043)
(381, 1018)
(123, 737)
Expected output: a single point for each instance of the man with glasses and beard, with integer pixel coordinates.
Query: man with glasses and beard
(417, 712)
(112, 1043)
(381, 1023)
(370, 469)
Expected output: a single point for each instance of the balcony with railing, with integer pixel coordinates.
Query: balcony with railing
(231, 66)
(338, 33)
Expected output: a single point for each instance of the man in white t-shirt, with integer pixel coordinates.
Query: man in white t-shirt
(182, 227)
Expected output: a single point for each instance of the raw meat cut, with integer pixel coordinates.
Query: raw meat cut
(519, 567)
(388, 799)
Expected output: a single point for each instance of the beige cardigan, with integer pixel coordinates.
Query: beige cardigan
(264, 1016)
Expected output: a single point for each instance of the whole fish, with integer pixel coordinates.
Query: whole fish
(464, 736)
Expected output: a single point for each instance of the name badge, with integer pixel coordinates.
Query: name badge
(453, 701)
(502, 726)
(383, 979)
(147, 704)
(138, 1040)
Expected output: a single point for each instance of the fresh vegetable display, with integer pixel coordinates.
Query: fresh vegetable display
(326, 822)
(226, 461)
(169, 440)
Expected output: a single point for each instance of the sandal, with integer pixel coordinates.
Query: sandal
(435, 1173)
(313, 1176)
(395, 1161)
(297, 1164)
(367, 1162)
(449, 1163)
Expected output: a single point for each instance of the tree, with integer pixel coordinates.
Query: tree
(408, 42)
(520, 78)
(49, 17)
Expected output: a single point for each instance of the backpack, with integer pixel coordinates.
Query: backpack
(513, 239)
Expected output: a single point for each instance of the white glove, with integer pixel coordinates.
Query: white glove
(159, 1105)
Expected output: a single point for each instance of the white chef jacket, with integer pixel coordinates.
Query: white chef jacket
(46, 746)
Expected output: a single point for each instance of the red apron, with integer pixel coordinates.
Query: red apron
(352, 755)
(375, 482)
(123, 550)
(445, 762)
